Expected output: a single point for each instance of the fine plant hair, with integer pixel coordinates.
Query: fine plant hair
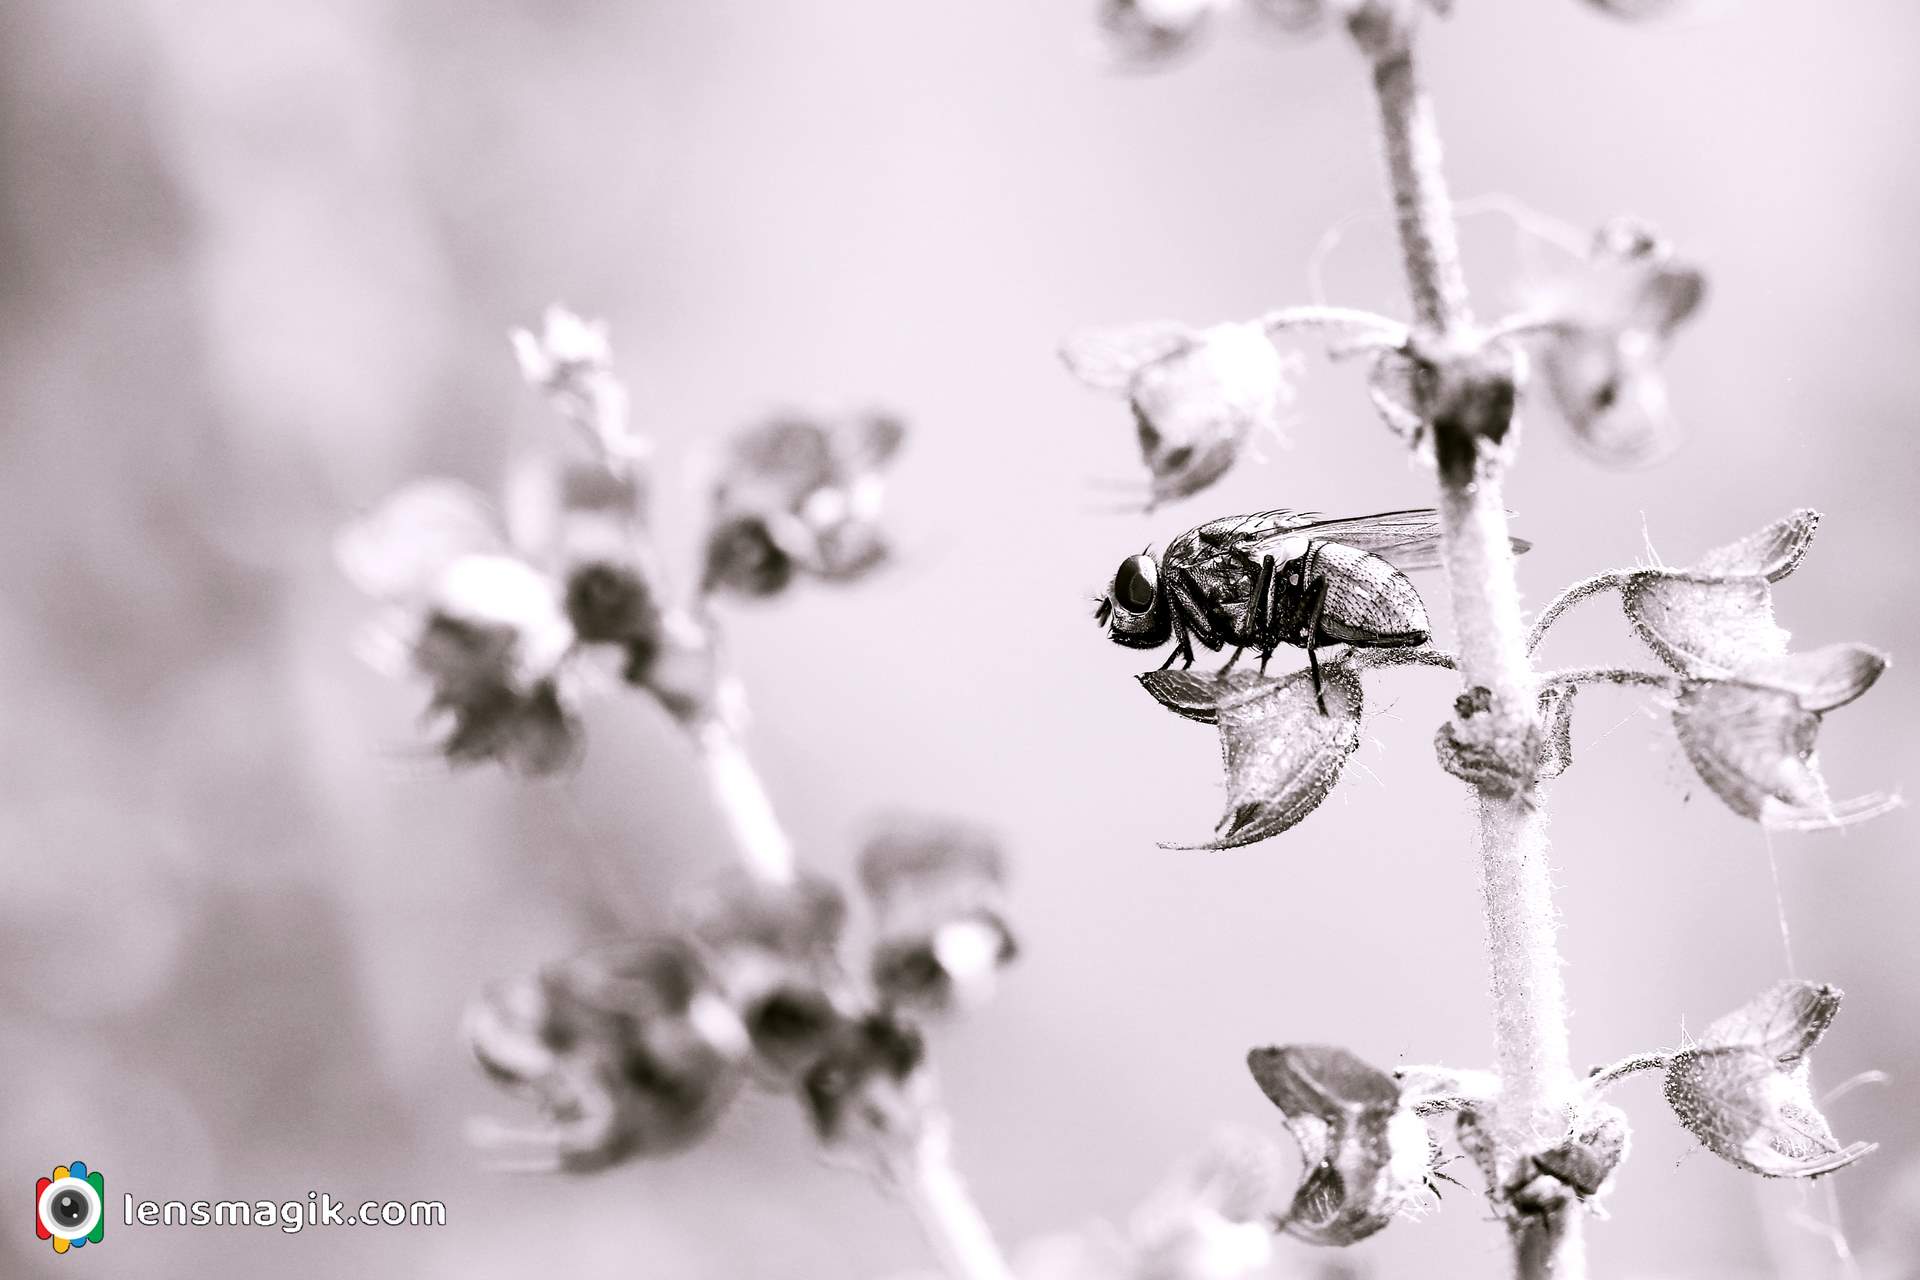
(515, 614)
(1745, 709)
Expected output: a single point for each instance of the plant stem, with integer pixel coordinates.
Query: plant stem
(1530, 1015)
(743, 799)
(948, 1217)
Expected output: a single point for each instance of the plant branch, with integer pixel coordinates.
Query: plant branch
(1606, 1077)
(1613, 675)
(743, 800)
(1567, 599)
(1530, 1015)
(948, 1216)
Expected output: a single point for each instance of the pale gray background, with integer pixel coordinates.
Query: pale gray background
(259, 260)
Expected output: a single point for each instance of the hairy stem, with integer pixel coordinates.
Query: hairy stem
(1567, 599)
(1606, 1077)
(951, 1222)
(1530, 1014)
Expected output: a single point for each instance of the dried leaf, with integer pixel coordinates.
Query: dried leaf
(1822, 679)
(1366, 1153)
(1771, 552)
(1282, 754)
(1743, 1089)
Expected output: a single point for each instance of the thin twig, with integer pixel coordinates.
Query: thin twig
(1614, 675)
(743, 800)
(1567, 599)
(1606, 1077)
(948, 1216)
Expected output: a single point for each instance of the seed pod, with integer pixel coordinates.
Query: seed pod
(1366, 1153)
(1715, 617)
(1743, 1088)
(1754, 746)
(1283, 755)
(774, 949)
(627, 1050)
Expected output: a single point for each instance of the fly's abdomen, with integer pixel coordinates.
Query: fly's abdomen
(1369, 602)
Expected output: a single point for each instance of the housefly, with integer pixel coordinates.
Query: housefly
(1279, 577)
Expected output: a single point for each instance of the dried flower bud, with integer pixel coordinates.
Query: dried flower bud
(938, 888)
(1602, 360)
(1197, 397)
(1754, 746)
(628, 1050)
(1577, 1169)
(1213, 1220)
(485, 707)
(1367, 1155)
(1283, 754)
(870, 1091)
(797, 496)
(1743, 1088)
(774, 948)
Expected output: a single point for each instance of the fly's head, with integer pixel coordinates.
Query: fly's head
(1135, 610)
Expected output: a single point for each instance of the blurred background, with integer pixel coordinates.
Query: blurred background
(257, 265)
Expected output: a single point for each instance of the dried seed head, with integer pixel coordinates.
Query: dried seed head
(1197, 397)
(797, 496)
(869, 1092)
(627, 1050)
(1283, 754)
(1367, 1155)
(1743, 1089)
(938, 889)
(775, 951)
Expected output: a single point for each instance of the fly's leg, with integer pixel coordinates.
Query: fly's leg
(1190, 616)
(1316, 603)
(1256, 621)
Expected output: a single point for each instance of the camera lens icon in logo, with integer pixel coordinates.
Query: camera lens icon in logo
(70, 1207)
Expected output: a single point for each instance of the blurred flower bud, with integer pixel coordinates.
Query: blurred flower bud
(628, 1050)
(1145, 33)
(1283, 753)
(795, 496)
(1754, 746)
(1638, 10)
(775, 949)
(1614, 323)
(869, 1092)
(938, 889)
(1743, 1088)
(571, 361)
(485, 629)
(1213, 1220)
(1367, 1155)
(1197, 397)
(1296, 16)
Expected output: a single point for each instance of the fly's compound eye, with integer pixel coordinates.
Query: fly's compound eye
(1136, 584)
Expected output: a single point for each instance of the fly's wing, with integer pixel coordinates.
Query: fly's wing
(1404, 539)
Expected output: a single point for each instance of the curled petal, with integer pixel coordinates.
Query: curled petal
(1610, 389)
(1110, 359)
(1367, 1154)
(1822, 679)
(1771, 552)
(1283, 754)
(1394, 387)
(1195, 410)
(1743, 1089)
